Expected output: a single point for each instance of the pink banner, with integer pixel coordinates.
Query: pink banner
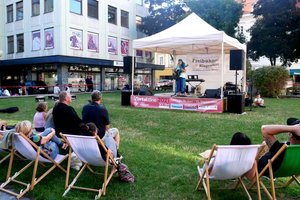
(193, 104)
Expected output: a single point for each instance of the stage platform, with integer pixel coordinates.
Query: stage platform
(169, 101)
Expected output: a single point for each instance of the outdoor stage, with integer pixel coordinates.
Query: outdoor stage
(167, 101)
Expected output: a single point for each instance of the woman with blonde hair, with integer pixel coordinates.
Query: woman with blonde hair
(47, 140)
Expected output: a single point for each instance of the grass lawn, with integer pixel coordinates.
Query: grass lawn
(161, 148)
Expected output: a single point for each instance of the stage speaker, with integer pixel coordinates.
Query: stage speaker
(212, 93)
(235, 103)
(236, 61)
(127, 64)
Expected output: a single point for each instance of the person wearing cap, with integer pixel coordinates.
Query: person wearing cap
(269, 132)
(96, 112)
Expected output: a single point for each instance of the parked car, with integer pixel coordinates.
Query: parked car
(36, 87)
(164, 84)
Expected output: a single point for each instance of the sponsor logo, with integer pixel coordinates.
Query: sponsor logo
(176, 106)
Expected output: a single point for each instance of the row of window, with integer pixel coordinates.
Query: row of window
(75, 7)
(35, 9)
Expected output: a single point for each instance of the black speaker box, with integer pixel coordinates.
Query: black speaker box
(236, 61)
(127, 64)
(212, 93)
(235, 103)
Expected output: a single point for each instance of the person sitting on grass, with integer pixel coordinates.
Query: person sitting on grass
(39, 118)
(46, 140)
(258, 101)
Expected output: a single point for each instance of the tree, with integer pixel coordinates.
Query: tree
(276, 31)
(221, 14)
(162, 15)
(269, 81)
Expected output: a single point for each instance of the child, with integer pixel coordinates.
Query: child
(47, 140)
(39, 118)
(258, 101)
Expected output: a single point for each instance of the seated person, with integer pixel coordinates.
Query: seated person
(90, 129)
(238, 139)
(269, 132)
(47, 140)
(258, 101)
(39, 118)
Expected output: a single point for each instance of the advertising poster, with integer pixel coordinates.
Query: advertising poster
(124, 47)
(112, 45)
(49, 38)
(75, 39)
(93, 42)
(36, 40)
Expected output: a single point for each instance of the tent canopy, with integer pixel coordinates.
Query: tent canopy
(192, 35)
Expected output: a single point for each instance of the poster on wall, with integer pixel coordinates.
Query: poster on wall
(139, 53)
(93, 42)
(204, 63)
(36, 40)
(49, 38)
(124, 47)
(112, 45)
(75, 39)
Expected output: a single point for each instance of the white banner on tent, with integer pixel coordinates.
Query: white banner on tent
(204, 63)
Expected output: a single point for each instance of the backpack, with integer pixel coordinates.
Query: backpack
(124, 174)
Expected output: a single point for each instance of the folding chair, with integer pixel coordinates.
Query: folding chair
(230, 162)
(36, 155)
(87, 150)
(9, 155)
(290, 166)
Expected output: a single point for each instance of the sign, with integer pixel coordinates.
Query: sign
(192, 104)
(202, 63)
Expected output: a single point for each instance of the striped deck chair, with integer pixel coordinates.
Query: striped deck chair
(230, 162)
(36, 156)
(87, 150)
(290, 167)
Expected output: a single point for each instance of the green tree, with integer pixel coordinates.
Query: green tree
(269, 81)
(221, 14)
(276, 31)
(162, 15)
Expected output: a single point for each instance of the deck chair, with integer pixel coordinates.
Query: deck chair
(87, 150)
(8, 155)
(290, 167)
(36, 156)
(230, 162)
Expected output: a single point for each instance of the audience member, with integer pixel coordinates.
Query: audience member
(39, 118)
(56, 89)
(65, 117)
(90, 129)
(258, 101)
(269, 132)
(49, 118)
(47, 140)
(96, 112)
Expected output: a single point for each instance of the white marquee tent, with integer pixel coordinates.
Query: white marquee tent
(192, 35)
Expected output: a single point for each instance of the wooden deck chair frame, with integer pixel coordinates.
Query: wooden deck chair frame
(286, 169)
(208, 170)
(39, 157)
(108, 162)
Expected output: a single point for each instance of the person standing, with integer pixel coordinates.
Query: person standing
(180, 72)
(89, 83)
(96, 112)
(65, 118)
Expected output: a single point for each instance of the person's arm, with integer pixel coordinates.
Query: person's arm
(47, 138)
(269, 132)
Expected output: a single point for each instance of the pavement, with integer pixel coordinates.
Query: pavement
(5, 196)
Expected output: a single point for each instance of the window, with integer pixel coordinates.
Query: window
(35, 7)
(112, 15)
(161, 60)
(76, 6)
(93, 8)
(48, 6)
(124, 19)
(10, 13)
(138, 22)
(19, 8)
(10, 44)
(20, 42)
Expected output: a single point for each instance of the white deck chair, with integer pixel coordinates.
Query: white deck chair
(32, 152)
(87, 150)
(230, 162)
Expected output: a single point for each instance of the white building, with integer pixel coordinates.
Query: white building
(65, 41)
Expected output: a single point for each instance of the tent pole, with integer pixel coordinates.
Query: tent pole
(222, 69)
(132, 71)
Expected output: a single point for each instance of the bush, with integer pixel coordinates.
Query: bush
(269, 81)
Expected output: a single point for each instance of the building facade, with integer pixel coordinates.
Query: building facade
(64, 42)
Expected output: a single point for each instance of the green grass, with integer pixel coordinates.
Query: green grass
(161, 147)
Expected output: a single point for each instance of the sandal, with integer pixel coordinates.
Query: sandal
(64, 146)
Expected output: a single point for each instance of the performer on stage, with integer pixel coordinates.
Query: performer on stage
(180, 75)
